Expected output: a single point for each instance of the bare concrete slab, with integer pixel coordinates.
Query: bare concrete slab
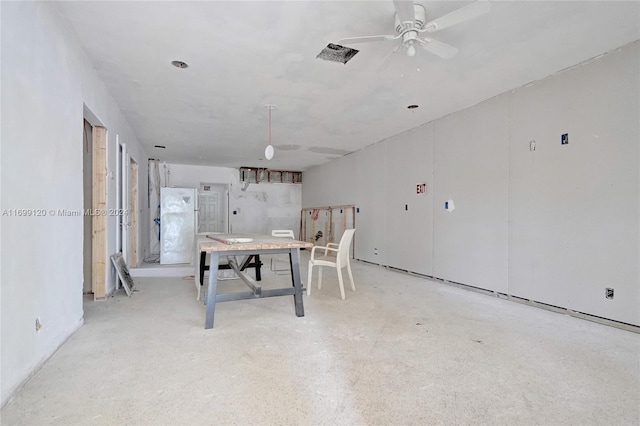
(401, 350)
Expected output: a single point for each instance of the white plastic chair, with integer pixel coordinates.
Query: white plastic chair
(281, 233)
(341, 260)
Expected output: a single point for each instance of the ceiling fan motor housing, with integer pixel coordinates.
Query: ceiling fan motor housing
(420, 19)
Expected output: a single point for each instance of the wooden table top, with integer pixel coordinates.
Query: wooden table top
(226, 242)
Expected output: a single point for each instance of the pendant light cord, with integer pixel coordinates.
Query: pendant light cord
(270, 108)
(268, 151)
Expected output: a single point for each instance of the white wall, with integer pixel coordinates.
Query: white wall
(258, 210)
(471, 168)
(574, 209)
(556, 225)
(408, 248)
(46, 79)
(371, 175)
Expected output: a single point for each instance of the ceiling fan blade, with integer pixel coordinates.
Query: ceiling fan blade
(406, 10)
(465, 13)
(366, 39)
(438, 48)
(387, 59)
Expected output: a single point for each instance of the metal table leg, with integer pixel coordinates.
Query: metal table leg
(212, 289)
(203, 267)
(294, 260)
(258, 265)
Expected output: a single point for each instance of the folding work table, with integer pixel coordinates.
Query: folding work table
(252, 246)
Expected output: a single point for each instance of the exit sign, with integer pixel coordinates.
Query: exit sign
(421, 188)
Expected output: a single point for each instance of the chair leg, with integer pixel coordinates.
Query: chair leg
(353, 284)
(309, 279)
(339, 271)
(319, 277)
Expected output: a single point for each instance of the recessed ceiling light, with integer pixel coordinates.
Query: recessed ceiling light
(412, 106)
(179, 64)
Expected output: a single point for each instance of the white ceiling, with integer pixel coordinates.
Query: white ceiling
(245, 55)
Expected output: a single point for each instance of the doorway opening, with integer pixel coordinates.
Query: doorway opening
(213, 208)
(94, 199)
(87, 189)
(126, 206)
(133, 214)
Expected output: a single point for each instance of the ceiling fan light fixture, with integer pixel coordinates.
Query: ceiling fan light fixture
(410, 21)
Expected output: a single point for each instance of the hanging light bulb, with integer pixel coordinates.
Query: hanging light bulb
(269, 151)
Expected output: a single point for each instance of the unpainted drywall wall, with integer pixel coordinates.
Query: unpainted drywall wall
(46, 81)
(409, 213)
(258, 209)
(333, 184)
(556, 225)
(371, 202)
(574, 208)
(471, 169)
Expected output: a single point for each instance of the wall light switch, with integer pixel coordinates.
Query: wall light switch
(564, 140)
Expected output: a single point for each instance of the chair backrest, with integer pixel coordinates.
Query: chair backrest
(287, 233)
(345, 246)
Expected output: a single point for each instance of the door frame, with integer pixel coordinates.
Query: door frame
(99, 221)
(133, 213)
(122, 202)
(87, 191)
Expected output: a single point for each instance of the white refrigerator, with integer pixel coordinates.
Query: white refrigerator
(178, 208)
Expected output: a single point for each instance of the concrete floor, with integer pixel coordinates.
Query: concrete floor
(401, 350)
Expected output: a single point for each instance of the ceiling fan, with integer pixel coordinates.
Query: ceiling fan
(410, 21)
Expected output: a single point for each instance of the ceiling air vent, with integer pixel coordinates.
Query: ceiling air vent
(337, 53)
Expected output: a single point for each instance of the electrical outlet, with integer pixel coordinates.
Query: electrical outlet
(608, 293)
(38, 325)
